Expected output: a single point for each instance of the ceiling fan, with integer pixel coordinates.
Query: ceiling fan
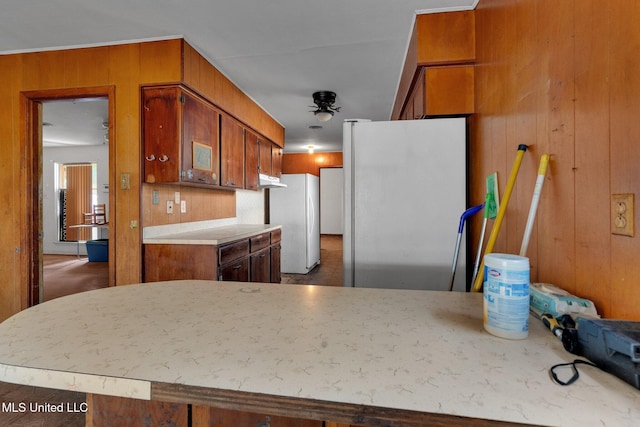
(324, 101)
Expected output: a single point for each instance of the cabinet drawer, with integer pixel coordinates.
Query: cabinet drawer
(276, 236)
(260, 242)
(237, 271)
(233, 251)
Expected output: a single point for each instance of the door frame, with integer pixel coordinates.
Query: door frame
(31, 145)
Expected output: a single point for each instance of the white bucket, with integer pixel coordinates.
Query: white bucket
(506, 295)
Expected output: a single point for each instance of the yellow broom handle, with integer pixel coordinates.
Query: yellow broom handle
(477, 285)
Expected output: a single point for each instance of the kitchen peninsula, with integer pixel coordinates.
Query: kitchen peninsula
(359, 356)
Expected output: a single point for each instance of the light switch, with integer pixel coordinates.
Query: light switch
(125, 181)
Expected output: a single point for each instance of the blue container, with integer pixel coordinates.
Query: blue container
(98, 250)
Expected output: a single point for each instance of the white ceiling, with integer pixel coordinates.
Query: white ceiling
(278, 52)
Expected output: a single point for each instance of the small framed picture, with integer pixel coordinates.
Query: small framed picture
(202, 156)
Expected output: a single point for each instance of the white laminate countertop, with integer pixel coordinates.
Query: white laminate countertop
(212, 236)
(411, 350)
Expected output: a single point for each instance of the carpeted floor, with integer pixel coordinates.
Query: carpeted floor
(68, 274)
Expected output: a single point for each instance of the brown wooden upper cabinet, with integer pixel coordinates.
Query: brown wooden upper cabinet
(181, 137)
(251, 160)
(441, 91)
(276, 160)
(438, 74)
(232, 152)
(265, 156)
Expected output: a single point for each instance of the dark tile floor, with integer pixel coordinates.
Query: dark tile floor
(329, 271)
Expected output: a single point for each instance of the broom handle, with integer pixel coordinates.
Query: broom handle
(477, 285)
(542, 171)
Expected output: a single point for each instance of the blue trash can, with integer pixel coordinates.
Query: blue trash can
(98, 250)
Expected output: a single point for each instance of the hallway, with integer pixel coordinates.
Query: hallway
(329, 271)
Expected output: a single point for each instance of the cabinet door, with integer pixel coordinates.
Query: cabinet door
(276, 160)
(276, 276)
(261, 266)
(161, 110)
(251, 160)
(236, 271)
(200, 141)
(448, 90)
(231, 153)
(265, 156)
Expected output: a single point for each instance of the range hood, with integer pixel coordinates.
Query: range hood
(267, 181)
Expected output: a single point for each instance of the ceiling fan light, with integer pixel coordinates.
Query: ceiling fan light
(323, 116)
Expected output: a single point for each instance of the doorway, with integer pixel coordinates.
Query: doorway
(67, 127)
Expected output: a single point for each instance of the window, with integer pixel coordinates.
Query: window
(78, 191)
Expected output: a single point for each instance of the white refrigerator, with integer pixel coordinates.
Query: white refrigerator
(405, 189)
(297, 209)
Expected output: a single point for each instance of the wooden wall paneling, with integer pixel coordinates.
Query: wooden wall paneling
(577, 93)
(624, 43)
(125, 240)
(516, 212)
(309, 163)
(526, 83)
(192, 70)
(42, 70)
(203, 77)
(556, 38)
(202, 204)
(14, 209)
(86, 67)
(161, 61)
(592, 166)
(492, 95)
(407, 76)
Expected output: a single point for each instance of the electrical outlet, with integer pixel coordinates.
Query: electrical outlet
(169, 206)
(622, 212)
(155, 197)
(183, 206)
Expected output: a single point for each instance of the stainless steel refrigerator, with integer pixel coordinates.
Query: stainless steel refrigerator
(297, 209)
(405, 189)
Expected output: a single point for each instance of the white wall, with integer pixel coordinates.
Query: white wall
(94, 153)
(250, 206)
(331, 201)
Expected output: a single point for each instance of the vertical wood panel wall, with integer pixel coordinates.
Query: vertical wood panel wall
(563, 77)
(309, 163)
(125, 68)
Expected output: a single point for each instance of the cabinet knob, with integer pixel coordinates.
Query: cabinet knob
(164, 158)
(150, 158)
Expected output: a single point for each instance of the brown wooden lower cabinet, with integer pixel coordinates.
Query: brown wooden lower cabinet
(112, 411)
(236, 271)
(204, 416)
(255, 259)
(261, 266)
